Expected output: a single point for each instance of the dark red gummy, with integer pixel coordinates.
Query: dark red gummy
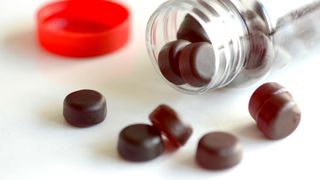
(140, 142)
(276, 113)
(191, 30)
(262, 94)
(84, 108)
(249, 14)
(255, 22)
(166, 120)
(168, 61)
(261, 50)
(218, 150)
(196, 63)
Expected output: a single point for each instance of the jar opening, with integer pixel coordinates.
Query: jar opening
(216, 34)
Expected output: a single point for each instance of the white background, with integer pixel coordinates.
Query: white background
(36, 143)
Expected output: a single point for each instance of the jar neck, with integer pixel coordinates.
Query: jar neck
(224, 26)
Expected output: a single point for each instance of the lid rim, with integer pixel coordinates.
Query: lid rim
(79, 44)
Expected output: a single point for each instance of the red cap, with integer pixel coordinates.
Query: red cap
(82, 28)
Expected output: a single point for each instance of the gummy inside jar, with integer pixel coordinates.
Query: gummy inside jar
(189, 59)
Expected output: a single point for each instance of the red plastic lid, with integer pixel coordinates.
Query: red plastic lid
(82, 28)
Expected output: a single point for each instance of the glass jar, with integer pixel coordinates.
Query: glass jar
(245, 35)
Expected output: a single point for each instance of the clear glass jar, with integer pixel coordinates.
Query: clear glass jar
(244, 34)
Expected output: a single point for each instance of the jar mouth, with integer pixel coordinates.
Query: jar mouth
(225, 30)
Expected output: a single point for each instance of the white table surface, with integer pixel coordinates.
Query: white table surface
(36, 143)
